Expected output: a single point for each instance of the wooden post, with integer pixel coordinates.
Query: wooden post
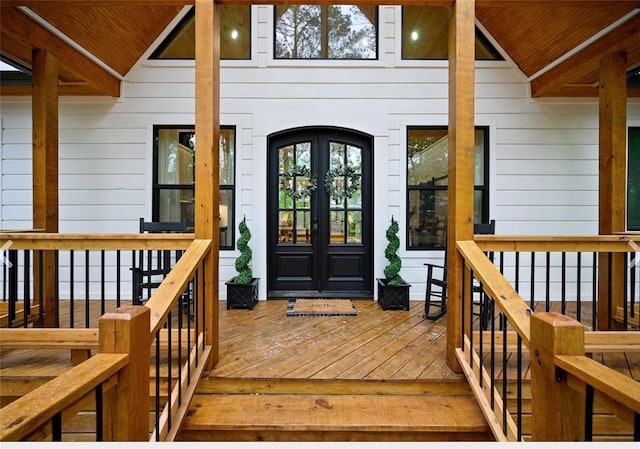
(461, 161)
(612, 180)
(207, 183)
(45, 172)
(126, 407)
(558, 410)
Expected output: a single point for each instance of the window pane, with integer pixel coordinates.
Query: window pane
(325, 32)
(633, 186)
(428, 157)
(427, 218)
(235, 35)
(175, 156)
(175, 205)
(227, 218)
(425, 34)
(427, 179)
(227, 151)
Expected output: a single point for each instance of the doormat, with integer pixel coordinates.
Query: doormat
(321, 307)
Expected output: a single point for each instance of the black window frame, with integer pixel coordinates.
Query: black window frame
(275, 22)
(483, 189)
(157, 188)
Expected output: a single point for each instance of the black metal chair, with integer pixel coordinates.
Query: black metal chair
(151, 267)
(437, 285)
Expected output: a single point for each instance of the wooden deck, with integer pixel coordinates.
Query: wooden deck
(374, 345)
(377, 376)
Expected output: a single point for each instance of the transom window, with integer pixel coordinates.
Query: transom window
(174, 178)
(427, 184)
(425, 34)
(235, 35)
(326, 32)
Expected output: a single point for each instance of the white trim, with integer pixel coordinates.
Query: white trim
(70, 41)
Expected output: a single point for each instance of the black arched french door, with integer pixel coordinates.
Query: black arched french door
(320, 213)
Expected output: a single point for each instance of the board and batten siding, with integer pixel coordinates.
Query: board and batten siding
(543, 153)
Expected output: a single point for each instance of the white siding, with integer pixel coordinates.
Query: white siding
(543, 153)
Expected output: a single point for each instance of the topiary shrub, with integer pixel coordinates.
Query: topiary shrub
(243, 267)
(392, 270)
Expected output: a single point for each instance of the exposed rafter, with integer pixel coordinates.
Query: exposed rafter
(90, 77)
(582, 63)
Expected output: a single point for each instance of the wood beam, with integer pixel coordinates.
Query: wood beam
(612, 176)
(461, 162)
(582, 63)
(207, 182)
(24, 29)
(45, 173)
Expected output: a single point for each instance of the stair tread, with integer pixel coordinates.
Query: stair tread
(296, 412)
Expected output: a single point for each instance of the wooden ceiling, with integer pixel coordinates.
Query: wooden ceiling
(557, 44)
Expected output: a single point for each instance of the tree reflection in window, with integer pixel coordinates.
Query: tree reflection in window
(326, 32)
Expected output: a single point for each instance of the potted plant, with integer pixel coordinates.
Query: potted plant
(393, 291)
(242, 289)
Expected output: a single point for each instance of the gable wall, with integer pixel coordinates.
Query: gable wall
(543, 153)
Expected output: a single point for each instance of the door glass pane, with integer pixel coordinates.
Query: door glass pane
(336, 227)
(343, 184)
(295, 187)
(354, 227)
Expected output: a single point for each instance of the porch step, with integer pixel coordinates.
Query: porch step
(364, 416)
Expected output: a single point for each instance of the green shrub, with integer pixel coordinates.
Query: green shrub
(243, 267)
(392, 270)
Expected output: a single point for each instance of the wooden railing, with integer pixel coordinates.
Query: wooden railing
(503, 356)
(172, 339)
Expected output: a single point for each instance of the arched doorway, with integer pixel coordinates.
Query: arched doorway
(320, 238)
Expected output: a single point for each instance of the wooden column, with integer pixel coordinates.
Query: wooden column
(612, 179)
(461, 161)
(45, 171)
(127, 331)
(207, 182)
(558, 410)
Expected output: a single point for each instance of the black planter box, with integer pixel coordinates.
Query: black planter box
(393, 297)
(242, 296)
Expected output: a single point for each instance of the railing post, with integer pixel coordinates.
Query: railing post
(558, 411)
(126, 406)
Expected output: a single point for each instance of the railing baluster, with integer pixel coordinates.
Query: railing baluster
(547, 292)
(504, 379)
(579, 286)
(158, 409)
(56, 427)
(102, 282)
(610, 291)
(563, 280)
(519, 387)
(87, 293)
(26, 300)
(13, 285)
(118, 278)
(41, 286)
(588, 413)
(99, 413)
(532, 280)
(594, 293)
(56, 290)
(71, 289)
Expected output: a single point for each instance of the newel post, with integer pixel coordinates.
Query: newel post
(126, 406)
(558, 410)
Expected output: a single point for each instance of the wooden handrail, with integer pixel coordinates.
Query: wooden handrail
(539, 243)
(162, 300)
(49, 338)
(52, 241)
(617, 386)
(28, 413)
(510, 302)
